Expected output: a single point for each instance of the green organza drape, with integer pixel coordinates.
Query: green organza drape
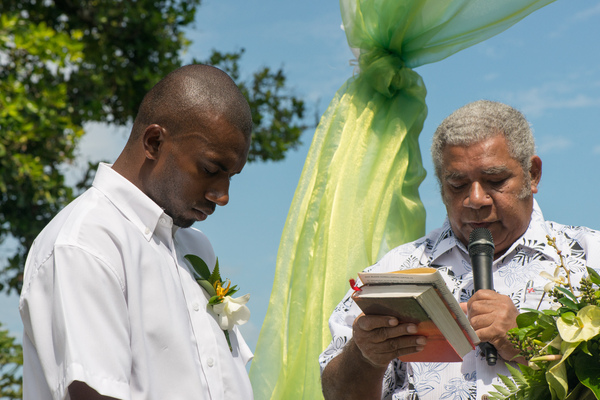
(358, 193)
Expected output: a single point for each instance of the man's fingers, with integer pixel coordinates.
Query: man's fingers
(371, 322)
(404, 345)
(380, 339)
(380, 354)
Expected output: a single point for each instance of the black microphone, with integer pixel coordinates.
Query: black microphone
(481, 251)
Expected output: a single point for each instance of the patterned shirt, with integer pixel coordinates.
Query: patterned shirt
(515, 274)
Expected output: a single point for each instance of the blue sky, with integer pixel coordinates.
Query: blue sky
(548, 66)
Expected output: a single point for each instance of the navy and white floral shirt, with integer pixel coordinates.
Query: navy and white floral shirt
(516, 274)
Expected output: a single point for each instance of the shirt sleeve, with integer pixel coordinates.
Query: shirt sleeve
(340, 325)
(75, 315)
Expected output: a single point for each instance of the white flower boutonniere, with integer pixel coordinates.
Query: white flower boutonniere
(229, 311)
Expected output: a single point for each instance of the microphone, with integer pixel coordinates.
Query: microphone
(481, 252)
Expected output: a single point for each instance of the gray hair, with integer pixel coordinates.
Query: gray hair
(481, 120)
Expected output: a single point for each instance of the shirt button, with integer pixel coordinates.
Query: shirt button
(210, 362)
(147, 231)
(196, 306)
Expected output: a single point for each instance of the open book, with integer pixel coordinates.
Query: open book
(420, 295)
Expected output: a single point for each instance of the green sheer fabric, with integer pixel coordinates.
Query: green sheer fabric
(358, 193)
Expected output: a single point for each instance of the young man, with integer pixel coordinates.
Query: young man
(111, 308)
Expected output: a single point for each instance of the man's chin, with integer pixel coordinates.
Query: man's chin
(184, 223)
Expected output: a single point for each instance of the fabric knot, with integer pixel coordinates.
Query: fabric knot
(385, 71)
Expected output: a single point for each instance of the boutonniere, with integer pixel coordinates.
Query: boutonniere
(229, 311)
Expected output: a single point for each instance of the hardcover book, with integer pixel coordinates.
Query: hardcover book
(420, 296)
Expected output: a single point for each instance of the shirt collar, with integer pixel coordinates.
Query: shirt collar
(447, 240)
(135, 205)
(534, 238)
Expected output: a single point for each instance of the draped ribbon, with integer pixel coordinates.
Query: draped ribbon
(358, 192)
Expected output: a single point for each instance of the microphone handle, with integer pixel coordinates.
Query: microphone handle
(482, 272)
(482, 279)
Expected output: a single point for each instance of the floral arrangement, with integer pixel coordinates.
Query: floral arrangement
(229, 311)
(561, 345)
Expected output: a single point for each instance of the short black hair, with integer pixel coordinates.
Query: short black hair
(202, 89)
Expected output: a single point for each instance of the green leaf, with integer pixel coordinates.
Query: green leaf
(216, 275)
(548, 333)
(207, 286)
(570, 304)
(594, 276)
(527, 318)
(516, 374)
(550, 312)
(567, 293)
(199, 266)
(502, 389)
(587, 369)
(214, 300)
(509, 383)
(584, 348)
(568, 317)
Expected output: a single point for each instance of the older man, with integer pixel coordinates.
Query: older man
(111, 309)
(485, 162)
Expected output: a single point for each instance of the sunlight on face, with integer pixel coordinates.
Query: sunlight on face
(483, 186)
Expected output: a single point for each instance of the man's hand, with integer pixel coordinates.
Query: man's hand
(81, 391)
(380, 339)
(357, 372)
(492, 315)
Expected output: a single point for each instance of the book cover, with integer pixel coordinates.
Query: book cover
(422, 297)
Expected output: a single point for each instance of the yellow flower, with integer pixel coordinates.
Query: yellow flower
(221, 292)
(584, 326)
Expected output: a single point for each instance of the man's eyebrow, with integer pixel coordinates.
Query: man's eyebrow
(497, 170)
(221, 166)
(453, 176)
(500, 169)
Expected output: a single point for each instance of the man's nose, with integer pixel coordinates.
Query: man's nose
(219, 192)
(478, 197)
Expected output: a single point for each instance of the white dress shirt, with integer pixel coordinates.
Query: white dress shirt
(109, 300)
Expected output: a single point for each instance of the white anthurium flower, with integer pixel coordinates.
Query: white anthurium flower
(232, 311)
(584, 326)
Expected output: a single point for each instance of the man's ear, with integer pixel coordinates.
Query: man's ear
(535, 173)
(153, 139)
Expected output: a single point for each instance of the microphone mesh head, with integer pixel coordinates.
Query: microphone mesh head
(480, 241)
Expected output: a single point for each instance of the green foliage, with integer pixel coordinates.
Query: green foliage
(11, 360)
(562, 347)
(127, 47)
(38, 134)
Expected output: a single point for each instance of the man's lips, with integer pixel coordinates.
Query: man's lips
(479, 224)
(203, 213)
